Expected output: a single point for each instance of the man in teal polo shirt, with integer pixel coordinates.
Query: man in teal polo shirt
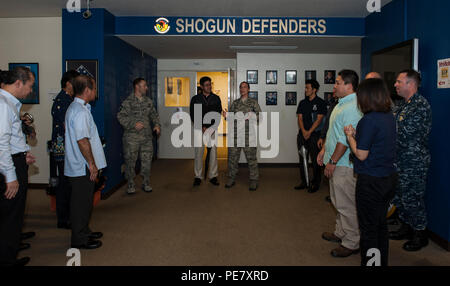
(338, 167)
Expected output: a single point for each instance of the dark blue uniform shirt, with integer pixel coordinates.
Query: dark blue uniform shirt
(376, 133)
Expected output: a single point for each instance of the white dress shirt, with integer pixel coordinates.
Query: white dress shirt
(12, 139)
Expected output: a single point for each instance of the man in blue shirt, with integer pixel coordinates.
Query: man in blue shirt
(60, 105)
(310, 114)
(14, 160)
(84, 157)
(338, 167)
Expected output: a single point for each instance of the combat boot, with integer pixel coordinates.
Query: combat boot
(230, 183)
(404, 232)
(146, 187)
(253, 185)
(418, 241)
(131, 190)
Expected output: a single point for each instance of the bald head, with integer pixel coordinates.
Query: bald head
(373, 75)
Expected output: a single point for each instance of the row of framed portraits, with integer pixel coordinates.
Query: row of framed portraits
(290, 76)
(290, 97)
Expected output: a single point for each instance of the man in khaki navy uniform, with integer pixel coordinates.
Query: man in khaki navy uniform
(136, 115)
(249, 107)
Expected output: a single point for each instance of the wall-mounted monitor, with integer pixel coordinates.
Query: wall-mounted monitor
(390, 61)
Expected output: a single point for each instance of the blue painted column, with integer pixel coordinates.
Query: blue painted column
(118, 64)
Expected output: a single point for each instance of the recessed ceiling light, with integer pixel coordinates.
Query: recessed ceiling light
(265, 43)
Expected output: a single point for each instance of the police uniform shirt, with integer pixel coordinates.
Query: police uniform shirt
(12, 139)
(310, 110)
(60, 105)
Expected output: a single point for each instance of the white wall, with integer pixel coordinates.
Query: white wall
(281, 62)
(36, 40)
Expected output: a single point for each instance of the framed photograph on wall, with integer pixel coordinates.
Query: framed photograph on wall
(291, 98)
(271, 77)
(86, 67)
(252, 76)
(33, 97)
(291, 77)
(309, 75)
(253, 94)
(271, 98)
(329, 77)
(328, 97)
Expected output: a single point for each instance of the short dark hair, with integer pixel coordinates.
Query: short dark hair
(314, 84)
(81, 82)
(68, 76)
(413, 75)
(204, 79)
(248, 85)
(373, 95)
(138, 80)
(350, 76)
(3, 75)
(23, 74)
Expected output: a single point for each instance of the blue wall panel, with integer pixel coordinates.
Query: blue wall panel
(382, 30)
(83, 40)
(429, 23)
(119, 63)
(401, 20)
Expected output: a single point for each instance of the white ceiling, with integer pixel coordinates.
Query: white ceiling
(294, 8)
(211, 47)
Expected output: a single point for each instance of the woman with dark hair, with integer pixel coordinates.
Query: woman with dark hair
(373, 147)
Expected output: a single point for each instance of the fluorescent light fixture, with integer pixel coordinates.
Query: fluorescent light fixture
(265, 43)
(263, 47)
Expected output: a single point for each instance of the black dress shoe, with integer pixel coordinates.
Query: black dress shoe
(197, 182)
(24, 246)
(91, 244)
(22, 261)
(214, 181)
(95, 235)
(27, 235)
(328, 199)
(64, 225)
(418, 241)
(313, 189)
(301, 186)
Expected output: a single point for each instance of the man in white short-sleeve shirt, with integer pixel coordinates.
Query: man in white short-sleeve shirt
(84, 157)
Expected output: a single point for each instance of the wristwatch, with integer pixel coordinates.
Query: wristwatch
(332, 162)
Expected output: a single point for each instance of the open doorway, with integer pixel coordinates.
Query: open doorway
(220, 86)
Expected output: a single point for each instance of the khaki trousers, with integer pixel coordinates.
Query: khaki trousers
(213, 170)
(342, 193)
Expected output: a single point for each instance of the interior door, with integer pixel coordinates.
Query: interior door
(175, 90)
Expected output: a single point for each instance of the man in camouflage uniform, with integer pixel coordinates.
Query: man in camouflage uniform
(249, 107)
(136, 115)
(413, 118)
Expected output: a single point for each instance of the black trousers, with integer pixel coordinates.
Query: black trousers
(313, 151)
(63, 193)
(12, 213)
(373, 195)
(81, 201)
